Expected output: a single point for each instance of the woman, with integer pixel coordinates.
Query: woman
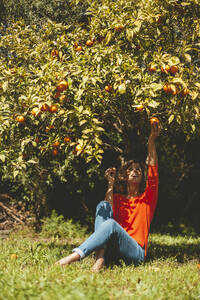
(123, 221)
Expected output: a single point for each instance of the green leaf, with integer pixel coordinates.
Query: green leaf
(31, 161)
(180, 81)
(185, 3)
(175, 60)
(96, 121)
(194, 95)
(129, 34)
(98, 141)
(137, 25)
(197, 84)
(100, 129)
(188, 57)
(170, 119)
(5, 86)
(193, 127)
(156, 86)
(82, 122)
(153, 104)
(2, 157)
(80, 108)
(86, 131)
(15, 173)
(94, 80)
(108, 37)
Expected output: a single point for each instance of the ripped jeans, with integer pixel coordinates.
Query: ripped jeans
(108, 234)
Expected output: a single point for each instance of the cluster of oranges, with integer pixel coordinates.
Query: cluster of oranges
(78, 48)
(36, 111)
(166, 69)
(171, 88)
(67, 139)
(44, 107)
(174, 89)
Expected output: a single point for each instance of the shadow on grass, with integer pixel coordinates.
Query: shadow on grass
(182, 252)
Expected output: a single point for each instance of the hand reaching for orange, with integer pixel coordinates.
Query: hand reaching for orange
(110, 175)
(155, 127)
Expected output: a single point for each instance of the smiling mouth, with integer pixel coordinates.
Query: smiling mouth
(135, 176)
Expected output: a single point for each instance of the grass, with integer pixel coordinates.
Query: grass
(170, 271)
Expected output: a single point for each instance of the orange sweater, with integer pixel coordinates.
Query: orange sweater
(135, 214)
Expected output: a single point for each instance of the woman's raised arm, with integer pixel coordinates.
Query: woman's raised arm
(152, 158)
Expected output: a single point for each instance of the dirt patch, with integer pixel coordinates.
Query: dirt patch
(11, 214)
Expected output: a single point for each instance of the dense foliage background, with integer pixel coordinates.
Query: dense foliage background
(79, 81)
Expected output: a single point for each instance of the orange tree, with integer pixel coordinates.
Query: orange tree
(71, 90)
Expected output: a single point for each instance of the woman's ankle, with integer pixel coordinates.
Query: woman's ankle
(98, 265)
(68, 259)
(100, 253)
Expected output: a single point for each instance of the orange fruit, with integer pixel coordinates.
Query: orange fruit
(55, 152)
(54, 53)
(20, 119)
(174, 69)
(152, 69)
(44, 107)
(154, 120)
(172, 89)
(37, 140)
(62, 86)
(108, 88)
(79, 48)
(53, 108)
(35, 111)
(13, 256)
(67, 139)
(185, 92)
(89, 43)
(139, 107)
(56, 144)
(174, 92)
(166, 88)
(119, 28)
(167, 68)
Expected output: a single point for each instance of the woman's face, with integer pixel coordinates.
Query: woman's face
(134, 173)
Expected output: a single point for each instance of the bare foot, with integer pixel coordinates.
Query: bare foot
(68, 259)
(99, 261)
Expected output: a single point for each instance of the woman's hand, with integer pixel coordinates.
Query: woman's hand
(110, 175)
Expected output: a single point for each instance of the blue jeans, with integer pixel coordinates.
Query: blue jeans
(108, 234)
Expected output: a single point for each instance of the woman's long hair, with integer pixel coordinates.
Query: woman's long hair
(121, 177)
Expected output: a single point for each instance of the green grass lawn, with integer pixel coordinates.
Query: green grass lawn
(170, 271)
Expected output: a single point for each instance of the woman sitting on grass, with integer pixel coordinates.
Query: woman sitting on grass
(123, 221)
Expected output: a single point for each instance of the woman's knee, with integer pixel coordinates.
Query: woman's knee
(104, 205)
(111, 224)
